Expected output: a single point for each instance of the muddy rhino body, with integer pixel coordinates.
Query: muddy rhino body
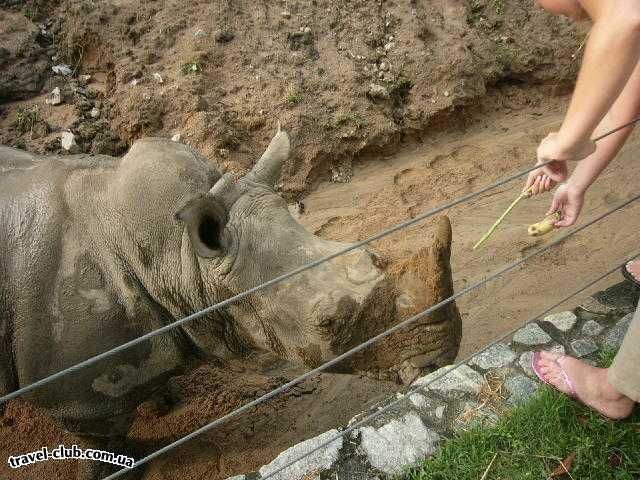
(96, 251)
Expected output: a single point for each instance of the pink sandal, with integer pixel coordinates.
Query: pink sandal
(535, 365)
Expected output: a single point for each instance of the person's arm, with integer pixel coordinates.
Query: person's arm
(570, 197)
(611, 55)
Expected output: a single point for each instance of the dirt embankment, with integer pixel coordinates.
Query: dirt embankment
(347, 78)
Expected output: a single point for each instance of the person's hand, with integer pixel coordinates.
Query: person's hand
(552, 149)
(569, 200)
(538, 182)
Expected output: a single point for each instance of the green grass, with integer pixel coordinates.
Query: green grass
(191, 67)
(26, 119)
(295, 99)
(531, 439)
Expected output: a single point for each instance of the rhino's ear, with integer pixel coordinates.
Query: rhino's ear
(204, 218)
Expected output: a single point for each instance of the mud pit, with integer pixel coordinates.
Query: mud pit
(488, 95)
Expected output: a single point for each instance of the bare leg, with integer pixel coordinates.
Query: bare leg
(591, 385)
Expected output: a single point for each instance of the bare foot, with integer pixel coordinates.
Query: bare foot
(633, 268)
(591, 385)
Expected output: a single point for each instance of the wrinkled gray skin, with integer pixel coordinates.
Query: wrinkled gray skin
(96, 251)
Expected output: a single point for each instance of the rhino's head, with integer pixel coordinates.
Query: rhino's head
(243, 235)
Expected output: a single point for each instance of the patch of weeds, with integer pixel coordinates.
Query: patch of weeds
(530, 441)
(191, 67)
(26, 119)
(606, 356)
(294, 99)
(506, 55)
(498, 6)
(352, 118)
(20, 144)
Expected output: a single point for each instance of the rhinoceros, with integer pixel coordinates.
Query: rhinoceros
(96, 251)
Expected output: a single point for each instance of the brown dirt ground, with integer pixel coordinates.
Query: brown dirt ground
(472, 87)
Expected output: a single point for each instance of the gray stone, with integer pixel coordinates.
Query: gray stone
(531, 334)
(525, 363)
(592, 328)
(563, 321)
(378, 91)
(418, 400)
(398, 444)
(62, 69)
(318, 461)
(95, 112)
(592, 305)
(495, 356)
(582, 347)
(55, 97)
(616, 334)
(521, 388)
(158, 78)
(176, 138)
(463, 379)
(439, 411)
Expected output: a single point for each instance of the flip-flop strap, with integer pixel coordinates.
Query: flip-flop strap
(565, 376)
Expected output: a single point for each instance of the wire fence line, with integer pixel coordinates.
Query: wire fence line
(362, 346)
(421, 387)
(136, 341)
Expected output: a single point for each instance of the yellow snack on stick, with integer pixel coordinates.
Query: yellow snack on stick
(543, 227)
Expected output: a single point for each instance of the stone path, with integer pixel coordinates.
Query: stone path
(478, 392)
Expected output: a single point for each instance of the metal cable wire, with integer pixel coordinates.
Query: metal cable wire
(95, 359)
(92, 360)
(365, 344)
(398, 401)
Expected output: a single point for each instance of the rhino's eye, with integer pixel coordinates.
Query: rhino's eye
(210, 232)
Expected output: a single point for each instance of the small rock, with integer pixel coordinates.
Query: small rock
(531, 334)
(68, 141)
(378, 91)
(224, 36)
(306, 30)
(84, 79)
(496, 356)
(418, 400)
(525, 363)
(199, 33)
(134, 82)
(592, 305)
(55, 97)
(95, 112)
(62, 69)
(616, 335)
(563, 321)
(286, 14)
(521, 388)
(398, 444)
(158, 78)
(408, 373)
(176, 137)
(446, 93)
(583, 347)
(439, 412)
(389, 46)
(592, 328)
(319, 460)
(463, 379)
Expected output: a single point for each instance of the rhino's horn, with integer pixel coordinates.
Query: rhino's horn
(267, 169)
